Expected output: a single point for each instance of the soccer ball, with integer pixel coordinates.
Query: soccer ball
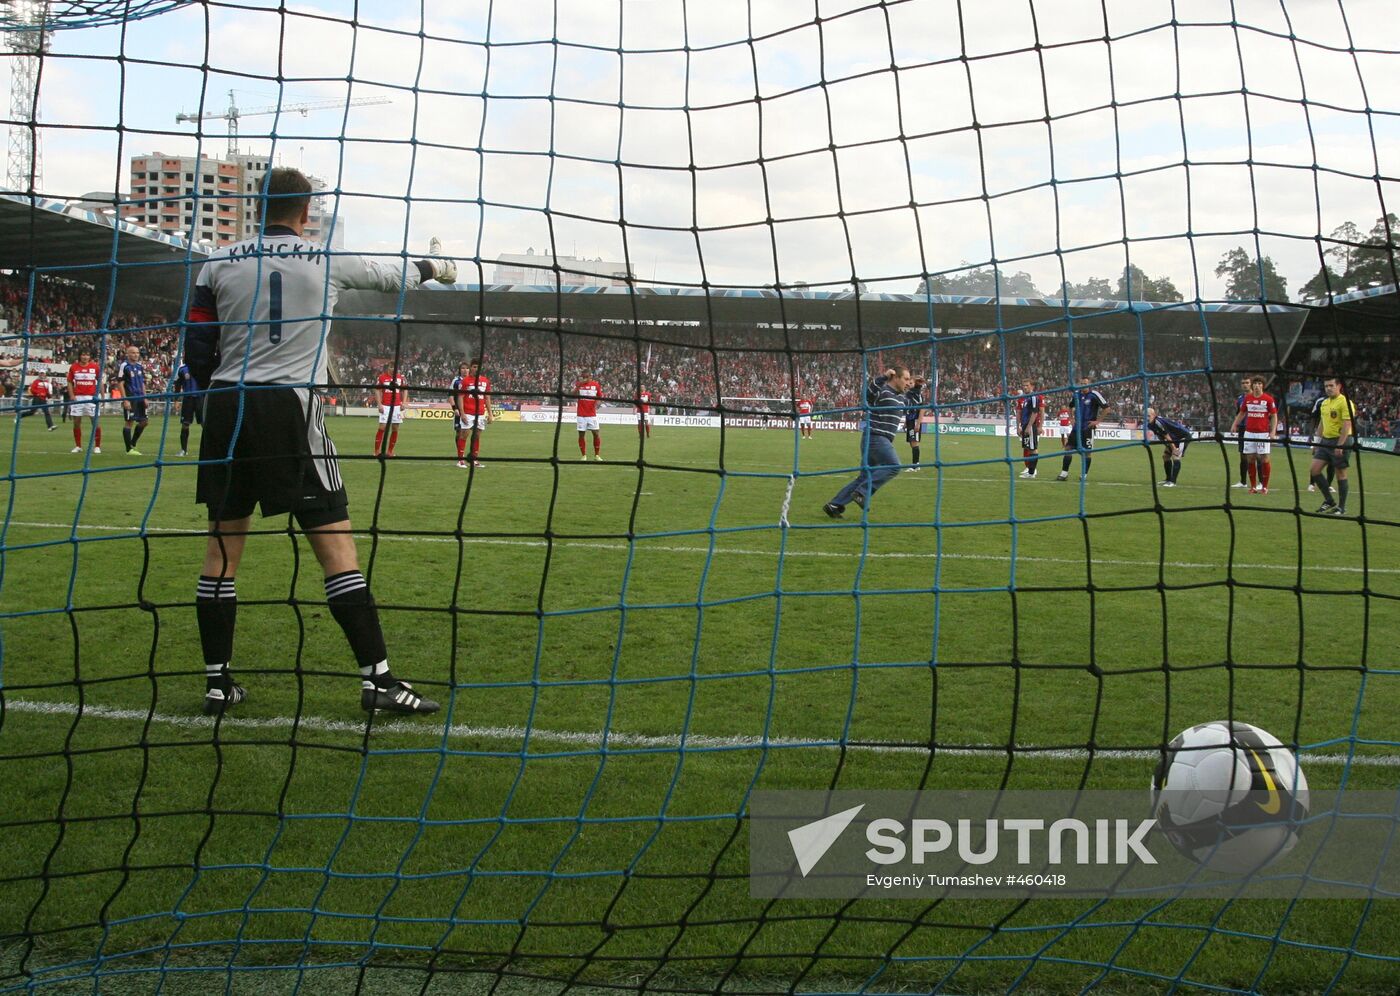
(1229, 796)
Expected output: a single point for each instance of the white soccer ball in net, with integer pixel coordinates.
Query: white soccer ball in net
(1230, 796)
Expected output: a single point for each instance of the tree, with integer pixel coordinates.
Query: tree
(1344, 253)
(1093, 289)
(1326, 281)
(1250, 278)
(1375, 261)
(980, 281)
(1144, 288)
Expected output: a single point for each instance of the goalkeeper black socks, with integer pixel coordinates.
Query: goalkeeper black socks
(1320, 483)
(184, 437)
(126, 436)
(1176, 471)
(916, 456)
(1244, 470)
(136, 436)
(1064, 466)
(353, 606)
(216, 607)
(1343, 486)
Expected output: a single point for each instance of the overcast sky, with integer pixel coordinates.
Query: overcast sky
(805, 142)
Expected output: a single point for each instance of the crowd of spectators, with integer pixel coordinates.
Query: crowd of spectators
(695, 368)
(66, 318)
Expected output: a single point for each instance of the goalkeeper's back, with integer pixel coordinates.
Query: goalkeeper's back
(271, 299)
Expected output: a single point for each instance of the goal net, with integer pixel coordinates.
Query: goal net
(713, 212)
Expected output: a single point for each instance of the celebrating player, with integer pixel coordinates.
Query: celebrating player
(1030, 413)
(1174, 438)
(804, 418)
(39, 391)
(643, 407)
(913, 419)
(885, 399)
(84, 381)
(131, 374)
(586, 416)
(1330, 446)
(191, 404)
(268, 445)
(393, 395)
(471, 405)
(1259, 414)
(1246, 383)
(1089, 406)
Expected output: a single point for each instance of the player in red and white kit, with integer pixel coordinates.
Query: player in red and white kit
(643, 406)
(393, 395)
(1259, 413)
(586, 416)
(804, 418)
(471, 406)
(84, 383)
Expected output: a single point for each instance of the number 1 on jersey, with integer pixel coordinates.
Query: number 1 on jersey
(274, 307)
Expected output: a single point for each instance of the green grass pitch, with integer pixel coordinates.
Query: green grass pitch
(662, 600)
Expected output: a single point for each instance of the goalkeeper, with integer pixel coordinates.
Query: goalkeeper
(258, 322)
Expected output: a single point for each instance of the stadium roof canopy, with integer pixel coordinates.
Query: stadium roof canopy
(465, 303)
(65, 240)
(1379, 303)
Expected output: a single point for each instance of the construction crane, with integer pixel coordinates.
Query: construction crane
(233, 114)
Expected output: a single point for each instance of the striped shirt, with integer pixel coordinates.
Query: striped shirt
(887, 408)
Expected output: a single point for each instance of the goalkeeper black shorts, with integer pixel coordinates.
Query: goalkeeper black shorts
(266, 446)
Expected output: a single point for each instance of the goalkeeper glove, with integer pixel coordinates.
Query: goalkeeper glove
(435, 267)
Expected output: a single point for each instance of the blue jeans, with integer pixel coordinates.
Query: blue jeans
(881, 462)
(37, 406)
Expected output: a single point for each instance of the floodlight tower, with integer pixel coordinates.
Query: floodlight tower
(27, 39)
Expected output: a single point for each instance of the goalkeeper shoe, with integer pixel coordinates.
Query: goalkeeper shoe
(398, 697)
(1327, 508)
(217, 700)
(834, 510)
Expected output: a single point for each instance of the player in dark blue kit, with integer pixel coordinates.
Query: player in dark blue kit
(1174, 437)
(131, 374)
(1089, 406)
(1030, 415)
(191, 403)
(913, 420)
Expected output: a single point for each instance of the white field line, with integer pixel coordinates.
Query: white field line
(593, 741)
(646, 546)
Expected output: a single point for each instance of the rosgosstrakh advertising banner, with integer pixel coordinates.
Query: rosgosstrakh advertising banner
(988, 844)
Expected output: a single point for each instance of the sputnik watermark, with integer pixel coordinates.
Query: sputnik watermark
(921, 844)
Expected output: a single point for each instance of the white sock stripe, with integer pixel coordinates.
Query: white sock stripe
(216, 589)
(345, 584)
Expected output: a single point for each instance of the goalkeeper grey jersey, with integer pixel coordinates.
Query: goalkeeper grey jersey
(272, 299)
